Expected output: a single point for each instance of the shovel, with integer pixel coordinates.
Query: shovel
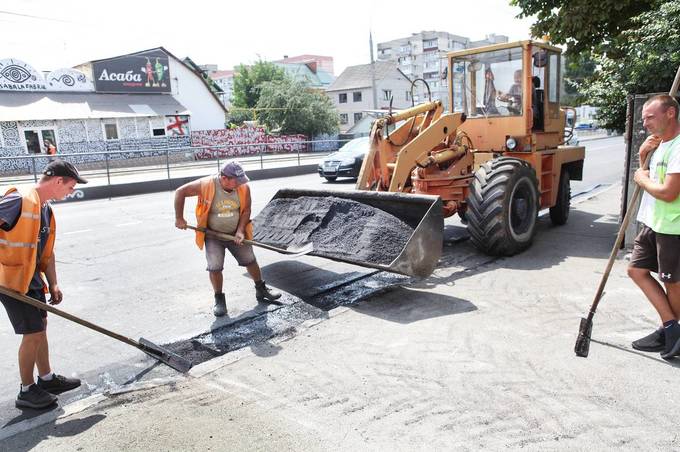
(293, 251)
(582, 346)
(165, 356)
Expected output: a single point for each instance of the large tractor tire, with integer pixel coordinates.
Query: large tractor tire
(559, 213)
(503, 206)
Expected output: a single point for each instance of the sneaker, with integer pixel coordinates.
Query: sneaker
(220, 307)
(655, 342)
(265, 294)
(35, 398)
(58, 384)
(672, 347)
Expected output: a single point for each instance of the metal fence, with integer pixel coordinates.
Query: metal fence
(114, 167)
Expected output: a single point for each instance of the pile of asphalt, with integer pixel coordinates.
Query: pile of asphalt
(338, 228)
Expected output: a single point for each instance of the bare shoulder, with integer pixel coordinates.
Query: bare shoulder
(192, 188)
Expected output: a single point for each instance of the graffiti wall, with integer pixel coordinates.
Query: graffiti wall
(243, 141)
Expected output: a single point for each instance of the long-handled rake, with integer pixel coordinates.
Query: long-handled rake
(163, 355)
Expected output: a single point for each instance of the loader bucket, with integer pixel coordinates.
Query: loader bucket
(394, 232)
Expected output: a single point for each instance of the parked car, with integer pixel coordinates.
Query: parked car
(346, 162)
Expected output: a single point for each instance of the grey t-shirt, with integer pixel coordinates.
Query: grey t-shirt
(10, 209)
(224, 210)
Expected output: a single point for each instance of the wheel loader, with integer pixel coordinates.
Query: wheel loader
(496, 158)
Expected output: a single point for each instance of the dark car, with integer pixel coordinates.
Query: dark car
(346, 162)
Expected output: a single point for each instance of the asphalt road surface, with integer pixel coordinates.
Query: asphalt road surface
(123, 265)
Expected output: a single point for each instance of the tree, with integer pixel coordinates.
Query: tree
(650, 56)
(633, 44)
(578, 68)
(292, 107)
(584, 25)
(248, 79)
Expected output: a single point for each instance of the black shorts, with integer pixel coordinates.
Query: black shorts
(25, 318)
(659, 253)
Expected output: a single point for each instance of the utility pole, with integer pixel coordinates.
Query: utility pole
(373, 89)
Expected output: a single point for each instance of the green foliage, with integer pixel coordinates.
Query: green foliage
(649, 58)
(584, 25)
(615, 48)
(577, 69)
(248, 79)
(291, 107)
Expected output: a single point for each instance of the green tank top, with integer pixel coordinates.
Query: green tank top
(224, 210)
(666, 218)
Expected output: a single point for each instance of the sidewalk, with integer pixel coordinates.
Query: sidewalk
(478, 356)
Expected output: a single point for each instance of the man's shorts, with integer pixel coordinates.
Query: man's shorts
(659, 253)
(214, 253)
(25, 318)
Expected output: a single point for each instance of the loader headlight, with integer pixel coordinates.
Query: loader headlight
(510, 143)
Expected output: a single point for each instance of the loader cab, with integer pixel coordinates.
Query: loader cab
(508, 90)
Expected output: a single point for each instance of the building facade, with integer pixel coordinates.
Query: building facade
(353, 91)
(146, 100)
(423, 56)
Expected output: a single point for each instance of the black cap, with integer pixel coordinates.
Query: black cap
(60, 168)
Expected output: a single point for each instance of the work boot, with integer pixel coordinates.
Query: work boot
(265, 294)
(35, 398)
(220, 307)
(58, 384)
(672, 347)
(654, 342)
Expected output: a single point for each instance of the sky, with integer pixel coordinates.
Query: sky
(54, 34)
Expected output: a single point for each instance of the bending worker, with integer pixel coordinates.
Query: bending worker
(657, 246)
(27, 232)
(224, 206)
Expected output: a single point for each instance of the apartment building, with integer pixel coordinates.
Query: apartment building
(423, 55)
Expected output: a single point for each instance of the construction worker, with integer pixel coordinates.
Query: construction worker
(657, 246)
(224, 206)
(27, 232)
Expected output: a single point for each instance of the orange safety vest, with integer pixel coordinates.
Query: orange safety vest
(19, 246)
(205, 199)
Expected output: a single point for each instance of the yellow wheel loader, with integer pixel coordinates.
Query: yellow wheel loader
(496, 158)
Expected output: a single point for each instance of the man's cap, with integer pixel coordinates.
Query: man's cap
(61, 168)
(234, 170)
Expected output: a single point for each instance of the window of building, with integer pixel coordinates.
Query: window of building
(160, 132)
(342, 98)
(405, 48)
(387, 93)
(408, 95)
(111, 131)
(356, 96)
(357, 117)
(429, 43)
(344, 118)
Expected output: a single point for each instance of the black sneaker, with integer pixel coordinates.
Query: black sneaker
(672, 347)
(655, 342)
(58, 384)
(35, 398)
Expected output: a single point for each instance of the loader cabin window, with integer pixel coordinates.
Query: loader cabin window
(488, 83)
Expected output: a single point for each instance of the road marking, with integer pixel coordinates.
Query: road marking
(77, 232)
(128, 224)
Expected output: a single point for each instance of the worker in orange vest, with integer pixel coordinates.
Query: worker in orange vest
(27, 233)
(224, 205)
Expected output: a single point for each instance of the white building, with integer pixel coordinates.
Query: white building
(147, 100)
(352, 92)
(423, 55)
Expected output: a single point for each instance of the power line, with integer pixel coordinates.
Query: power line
(10, 13)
